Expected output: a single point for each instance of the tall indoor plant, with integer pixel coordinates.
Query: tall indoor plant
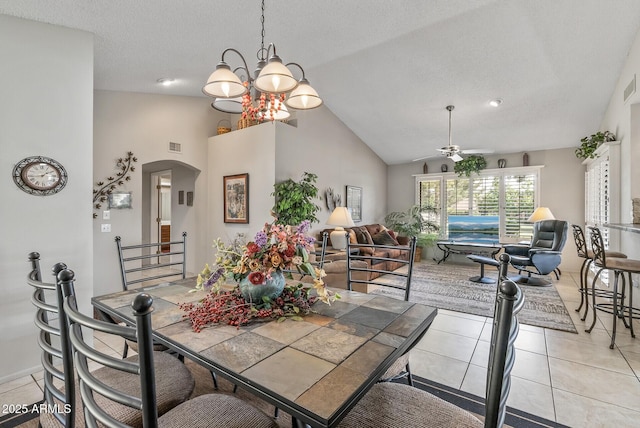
(294, 200)
(414, 221)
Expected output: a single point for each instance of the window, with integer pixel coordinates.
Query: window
(509, 194)
(602, 185)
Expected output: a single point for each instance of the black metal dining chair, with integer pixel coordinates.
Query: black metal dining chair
(53, 341)
(395, 405)
(211, 410)
(396, 263)
(60, 385)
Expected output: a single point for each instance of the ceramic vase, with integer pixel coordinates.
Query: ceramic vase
(272, 288)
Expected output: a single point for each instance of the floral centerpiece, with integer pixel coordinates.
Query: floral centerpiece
(259, 268)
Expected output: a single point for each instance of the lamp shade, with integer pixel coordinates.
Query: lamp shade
(223, 83)
(340, 217)
(304, 97)
(275, 77)
(541, 213)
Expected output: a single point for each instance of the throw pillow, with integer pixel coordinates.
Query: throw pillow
(384, 238)
(362, 235)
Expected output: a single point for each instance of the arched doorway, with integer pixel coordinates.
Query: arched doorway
(165, 187)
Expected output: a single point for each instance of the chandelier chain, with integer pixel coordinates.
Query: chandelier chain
(262, 50)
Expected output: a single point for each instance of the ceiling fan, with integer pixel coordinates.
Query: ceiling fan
(452, 151)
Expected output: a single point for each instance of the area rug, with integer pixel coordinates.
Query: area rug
(447, 286)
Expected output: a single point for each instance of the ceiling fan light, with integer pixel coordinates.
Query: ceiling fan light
(223, 83)
(275, 77)
(304, 97)
(455, 157)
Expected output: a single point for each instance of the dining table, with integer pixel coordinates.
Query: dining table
(315, 368)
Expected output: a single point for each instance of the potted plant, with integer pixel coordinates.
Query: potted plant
(591, 143)
(413, 222)
(469, 165)
(294, 200)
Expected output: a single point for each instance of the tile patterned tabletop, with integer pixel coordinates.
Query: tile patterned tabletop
(315, 369)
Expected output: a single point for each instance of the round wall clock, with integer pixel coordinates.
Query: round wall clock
(40, 175)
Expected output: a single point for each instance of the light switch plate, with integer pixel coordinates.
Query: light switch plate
(106, 215)
(106, 228)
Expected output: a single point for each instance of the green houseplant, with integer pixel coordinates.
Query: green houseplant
(414, 221)
(294, 200)
(591, 143)
(469, 165)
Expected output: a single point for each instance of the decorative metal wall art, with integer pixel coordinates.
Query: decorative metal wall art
(110, 184)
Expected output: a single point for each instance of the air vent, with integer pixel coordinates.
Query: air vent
(175, 147)
(630, 89)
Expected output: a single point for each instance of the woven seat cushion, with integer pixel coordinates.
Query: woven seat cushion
(216, 410)
(397, 368)
(174, 385)
(608, 254)
(156, 346)
(393, 405)
(628, 265)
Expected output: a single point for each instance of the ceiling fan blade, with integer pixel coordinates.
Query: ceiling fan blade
(426, 157)
(455, 157)
(476, 151)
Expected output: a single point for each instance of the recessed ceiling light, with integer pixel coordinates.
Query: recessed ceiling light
(496, 102)
(166, 81)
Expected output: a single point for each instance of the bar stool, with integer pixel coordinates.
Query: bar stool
(619, 266)
(587, 255)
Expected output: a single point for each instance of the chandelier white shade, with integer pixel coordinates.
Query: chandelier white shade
(275, 77)
(541, 213)
(303, 97)
(280, 113)
(224, 83)
(228, 105)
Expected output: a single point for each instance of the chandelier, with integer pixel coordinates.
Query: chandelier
(264, 96)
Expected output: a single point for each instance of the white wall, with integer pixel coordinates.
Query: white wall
(561, 187)
(250, 150)
(623, 119)
(47, 94)
(145, 124)
(322, 144)
(273, 152)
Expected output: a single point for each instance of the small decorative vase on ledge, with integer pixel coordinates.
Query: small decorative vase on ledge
(272, 288)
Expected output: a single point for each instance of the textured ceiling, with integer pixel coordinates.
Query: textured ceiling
(386, 68)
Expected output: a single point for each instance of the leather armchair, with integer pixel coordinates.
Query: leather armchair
(543, 255)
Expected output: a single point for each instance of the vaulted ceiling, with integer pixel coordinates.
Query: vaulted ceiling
(387, 69)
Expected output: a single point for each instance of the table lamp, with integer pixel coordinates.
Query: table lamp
(340, 218)
(541, 213)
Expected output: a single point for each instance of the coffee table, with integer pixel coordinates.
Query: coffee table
(449, 247)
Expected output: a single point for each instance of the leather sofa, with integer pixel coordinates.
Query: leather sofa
(336, 264)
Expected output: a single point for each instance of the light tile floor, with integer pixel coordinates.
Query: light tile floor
(574, 379)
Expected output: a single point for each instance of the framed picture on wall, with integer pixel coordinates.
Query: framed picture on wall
(236, 198)
(119, 200)
(354, 202)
